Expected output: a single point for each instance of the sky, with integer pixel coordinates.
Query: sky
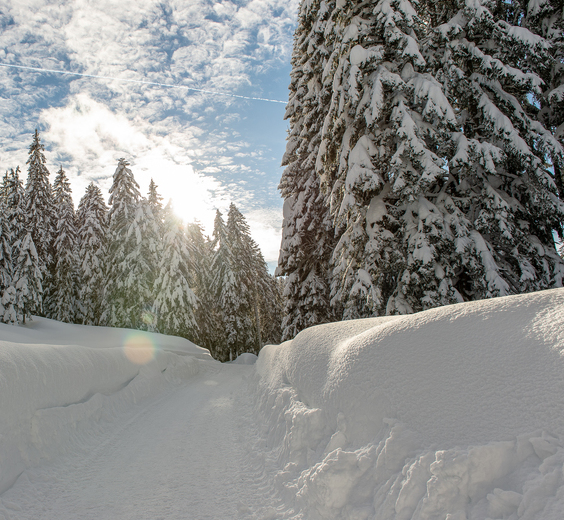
(191, 93)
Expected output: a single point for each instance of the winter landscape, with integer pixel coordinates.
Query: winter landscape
(454, 412)
(400, 357)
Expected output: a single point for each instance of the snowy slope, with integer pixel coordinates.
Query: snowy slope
(56, 380)
(454, 411)
(452, 414)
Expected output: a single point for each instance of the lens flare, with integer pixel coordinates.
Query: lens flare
(139, 348)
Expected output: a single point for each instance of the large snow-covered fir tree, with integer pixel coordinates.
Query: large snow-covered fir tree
(28, 297)
(133, 252)
(434, 156)
(14, 200)
(545, 18)
(225, 289)
(155, 202)
(308, 238)
(140, 269)
(39, 210)
(124, 201)
(175, 302)
(258, 294)
(245, 303)
(63, 301)
(201, 277)
(92, 237)
(7, 314)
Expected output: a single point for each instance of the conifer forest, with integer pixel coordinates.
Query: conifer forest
(133, 264)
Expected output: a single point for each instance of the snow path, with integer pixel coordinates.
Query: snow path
(181, 455)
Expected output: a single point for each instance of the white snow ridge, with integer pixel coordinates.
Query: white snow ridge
(456, 413)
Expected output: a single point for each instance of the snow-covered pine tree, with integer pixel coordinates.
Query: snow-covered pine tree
(308, 237)
(15, 204)
(200, 278)
(39, 211)
(3, 186)
(140, 268)
(123, 202)
(14, 213)
(63, 300)
(92, 236)
(7, 314)
(269, 308)
(175, 302)
(155, 202)
(245, 317)
(435, 169)
(499, 177)
(225, 291)
(28, 298)
(545, 18)
(273, 311)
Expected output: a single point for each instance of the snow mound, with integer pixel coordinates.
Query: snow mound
(247, 358)
(454, 411)
(57, 380)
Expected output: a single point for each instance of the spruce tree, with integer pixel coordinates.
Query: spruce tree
(139, 269)
(14, 220)
(200, 278)
(3, 186)
(63, 300)
(245, 318)
(225, 291)
(175, 302)
(92, 237)
(28, 298)
(155, 202)
(433, 156)
(7, 314)
(308, 238)
(39, 210)
(124, 200)
(15, 204)
(545, 18)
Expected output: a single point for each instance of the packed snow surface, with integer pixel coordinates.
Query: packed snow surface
(455, 413)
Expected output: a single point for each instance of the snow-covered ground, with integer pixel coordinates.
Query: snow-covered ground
(455, 413)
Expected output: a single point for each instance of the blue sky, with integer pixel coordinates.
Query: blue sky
(204, 149)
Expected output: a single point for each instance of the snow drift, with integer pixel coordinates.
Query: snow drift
(456, 412)
(58, 380)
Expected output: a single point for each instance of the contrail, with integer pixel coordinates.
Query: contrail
(141, 82)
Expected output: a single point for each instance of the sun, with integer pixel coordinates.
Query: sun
(194, 196)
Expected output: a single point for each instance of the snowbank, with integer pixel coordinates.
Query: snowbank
(455, 411)
(58, 380)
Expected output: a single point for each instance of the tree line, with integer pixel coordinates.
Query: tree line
(131, 263)
(425, 157)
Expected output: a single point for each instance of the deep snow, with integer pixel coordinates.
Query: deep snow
(454, 413)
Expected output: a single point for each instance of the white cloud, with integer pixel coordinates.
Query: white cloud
(266, 230)
(176, 136)
(94, 138)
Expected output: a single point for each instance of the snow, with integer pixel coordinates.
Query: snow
(456, 412)
(453, 411)
(55, 377)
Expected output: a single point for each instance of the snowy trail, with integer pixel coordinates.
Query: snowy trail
(184, 455)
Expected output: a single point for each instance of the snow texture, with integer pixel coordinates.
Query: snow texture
(56, 380)
(453, 413)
